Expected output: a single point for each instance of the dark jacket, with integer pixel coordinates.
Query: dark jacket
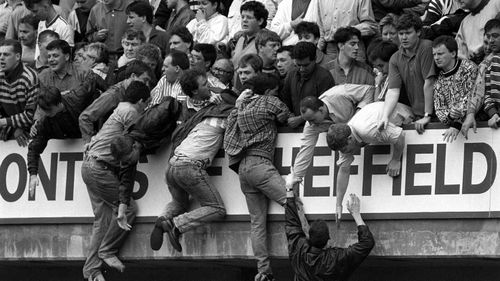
(310, 263)
(154, 126)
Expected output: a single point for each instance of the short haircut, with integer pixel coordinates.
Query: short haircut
(259, 11)
(44, 35)
(265, 36)
(121, 146)
(179, 59)
(308, 27)
(49, 96)
(310, 102)
(208, 52)
(407, 21)
(338, 136)
(131, 34)
(16, 46)
(138, 68)
(189, 80)
(184, 34)
(382, 50)
(136, 91)
(30, 19)
(288, 49)
(142, 9)
(345, 34)
(30, 3)
(149, 51)
(101, 52)
(389, 19)
(260, 83)
(493, 23)
(304, 50)
(319, 234)
(252, 60)
(59, 45)
(446, 40)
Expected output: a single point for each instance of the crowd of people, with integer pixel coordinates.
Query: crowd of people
(131, 76)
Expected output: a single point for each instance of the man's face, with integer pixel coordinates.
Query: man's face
(130, 47)
(196, 60)
(89, 58)
(493, 38)
(313, 117)
(57, 60)
(245, 73)
(144, 78)
(41, 10)
(408, 38)
(8, 58)
(249, 24)
(26, 34)
(382, 66)
(389, 33)
(151, 63)
(133, 156)
(79, 58)
(305, 66)
(176, 43)
(134, 21)
(171, 72)
(202, 93)
(270, 50)
(352, 146)
(284, 63)
(223, 70)
(308, 37)
(42, 45)
(443, 58)
(171, 4)
(350, 48)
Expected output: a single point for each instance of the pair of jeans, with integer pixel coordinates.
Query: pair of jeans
(107, 236)
(186, 178)
(260, 181)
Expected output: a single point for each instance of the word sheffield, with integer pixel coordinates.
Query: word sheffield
(12, 189)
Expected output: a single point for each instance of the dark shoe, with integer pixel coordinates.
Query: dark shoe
(115, 263)
(173, 234)
(263, 276)
(156, 238)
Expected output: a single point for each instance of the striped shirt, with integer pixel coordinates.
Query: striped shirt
(18, 96)
(492, 87)
(166, 89)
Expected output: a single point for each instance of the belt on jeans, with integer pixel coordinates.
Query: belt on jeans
(105, 165)
(183, 159)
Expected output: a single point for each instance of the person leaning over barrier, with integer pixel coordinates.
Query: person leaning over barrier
(309, 258)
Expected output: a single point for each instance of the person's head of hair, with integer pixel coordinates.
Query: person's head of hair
(136, 91)
(30, 20)
(493, 23)
(102, 53)
(189, 81)
(265, 36)
(259, 11)
(208, 52)
(150, 54)
(124, 148)
(59, 45)
(48, 97)
(251, 60)
(310, 102)
(16, 46)
(389, 19)
(288, 48)
(223, 69)
(31, 3)
(382, 50)
(261, 84)
(303, 50)
(131, 34)
(407, 21)
(44, 35)
(138, 68)
(307, 27)
(447, 41)
(319, 234)
(345, 34)
(179, 59)
(141, 9)
(183, 33)
(337, 136)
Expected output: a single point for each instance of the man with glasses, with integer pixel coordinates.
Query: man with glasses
(223, 70)
(307, 79)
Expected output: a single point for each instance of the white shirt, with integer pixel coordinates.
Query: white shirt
(210, 31)
(61, 27)
(281, 21)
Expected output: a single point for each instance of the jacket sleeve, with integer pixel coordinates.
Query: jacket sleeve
(98, 109)
(25, 119)
(368, 26)
(127, 178)
(281, 23)
(294, 233)
(356, 253)
(36, 146)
